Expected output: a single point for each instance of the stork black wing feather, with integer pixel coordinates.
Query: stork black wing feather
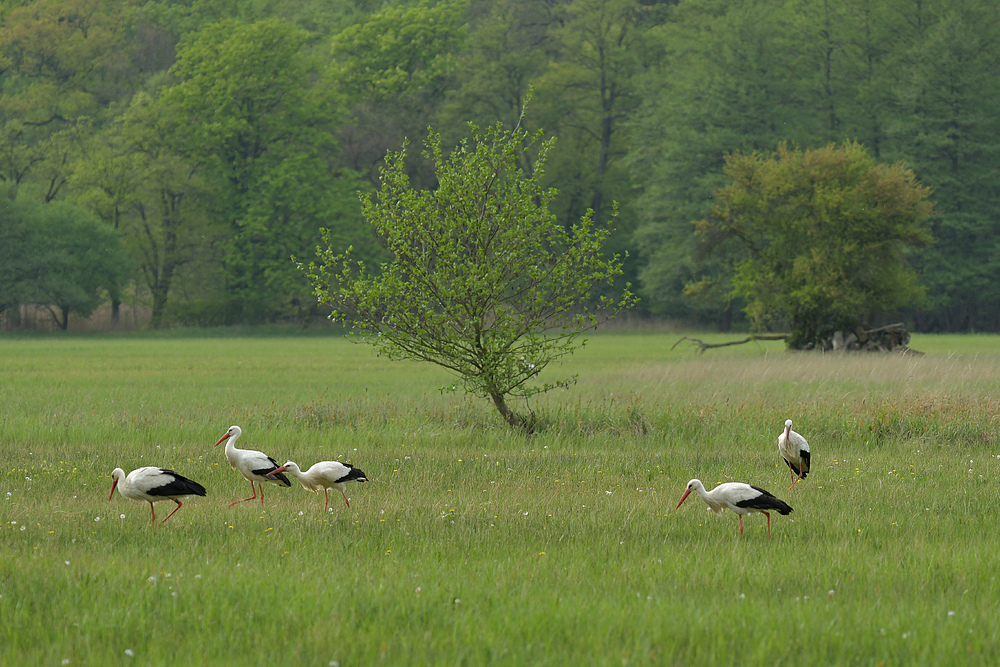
(354, 474)
(765, 501)
(266, 472)
(178, 486)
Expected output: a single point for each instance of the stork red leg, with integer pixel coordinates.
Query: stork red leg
(741, 524)
(326, 504)
(172, 513)
(153, 484)
(768, 515)
(254, 489)
(345, 499)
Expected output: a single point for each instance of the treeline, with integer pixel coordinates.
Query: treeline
(216, 137)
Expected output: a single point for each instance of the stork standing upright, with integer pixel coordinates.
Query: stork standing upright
(153, 485)
(739, 497)
(253, 465)
(795, 451)
(325, 475)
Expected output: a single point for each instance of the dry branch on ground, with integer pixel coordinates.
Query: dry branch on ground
(888, 338)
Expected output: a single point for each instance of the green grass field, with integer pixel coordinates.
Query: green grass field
(473, 545)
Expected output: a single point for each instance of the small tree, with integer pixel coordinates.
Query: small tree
(818, 238)
(481, 279)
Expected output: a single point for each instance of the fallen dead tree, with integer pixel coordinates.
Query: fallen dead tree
(702, 346)
(889, 338)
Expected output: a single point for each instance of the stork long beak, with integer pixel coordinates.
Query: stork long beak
(221, 440)
(688, 491)
(114, 485)
(788, 433)
(277, 470)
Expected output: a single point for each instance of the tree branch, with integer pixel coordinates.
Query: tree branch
(702, 346)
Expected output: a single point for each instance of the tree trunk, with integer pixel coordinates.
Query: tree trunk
(509, 415)
(160, 272)
(159, 290)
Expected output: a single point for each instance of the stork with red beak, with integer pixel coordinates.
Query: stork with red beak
(325, 475)
(253, 465)
(153, 485)
(794, 450)
(740, 498)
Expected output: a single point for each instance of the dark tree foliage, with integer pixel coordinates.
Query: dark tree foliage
(58, 256)
(269, 114)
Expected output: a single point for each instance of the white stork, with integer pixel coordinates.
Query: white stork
(325, 475)
(740, 498)
(795, 451)
(153, 485)
(253, 465)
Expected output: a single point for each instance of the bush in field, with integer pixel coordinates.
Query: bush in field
(817, 238)
(482, 279)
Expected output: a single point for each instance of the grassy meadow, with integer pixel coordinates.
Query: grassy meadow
(473, 545)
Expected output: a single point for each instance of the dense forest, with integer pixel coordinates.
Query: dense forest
(178, 153)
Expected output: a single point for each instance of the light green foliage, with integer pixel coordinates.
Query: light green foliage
(252, 114)
(287, 103)
(482, 279)
(187, 16)
(61, 61)
(136, 175)
(469, 546)
(20, 150)
(818, 238)
(243, 88)
(392, 72)
(65, 54)
(400, 50)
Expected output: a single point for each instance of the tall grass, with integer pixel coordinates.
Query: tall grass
(474, 545)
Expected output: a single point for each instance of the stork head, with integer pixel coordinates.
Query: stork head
(289, 466)
(692, 485)
(118, 474)
(788, 426)
(233, 432)
(356, 474)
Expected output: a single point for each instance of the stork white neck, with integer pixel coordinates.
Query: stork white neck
(699, 487)
(230, 437)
